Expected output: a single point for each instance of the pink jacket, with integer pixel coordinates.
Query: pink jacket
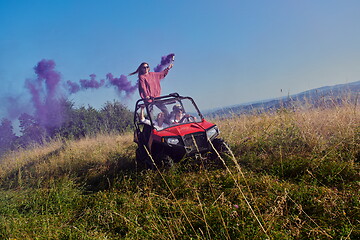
(149, 84)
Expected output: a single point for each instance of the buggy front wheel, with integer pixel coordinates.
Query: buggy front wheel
(220, 151)
(164, 161)
(143, 159)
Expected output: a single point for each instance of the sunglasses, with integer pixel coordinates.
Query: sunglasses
(146, 67)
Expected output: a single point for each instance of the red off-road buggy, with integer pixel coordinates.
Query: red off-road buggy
(181, 135)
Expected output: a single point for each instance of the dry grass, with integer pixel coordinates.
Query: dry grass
(17, 159)
(90, 156)
(317, 127)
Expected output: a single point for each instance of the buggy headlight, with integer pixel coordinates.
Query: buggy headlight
(173, 141)
(212, 132)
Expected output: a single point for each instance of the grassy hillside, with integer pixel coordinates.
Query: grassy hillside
(324, 96)
(292, 175)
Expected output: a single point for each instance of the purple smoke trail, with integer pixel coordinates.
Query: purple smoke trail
(92, 83)
(122, 84)
(45, 71)
(45, 101)
(35, 88)
(44, 90)
(14, 106)
(165, 61)
(74, 87)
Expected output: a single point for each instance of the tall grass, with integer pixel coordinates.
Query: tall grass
(92, 159)
(294, 175)
(319, 145)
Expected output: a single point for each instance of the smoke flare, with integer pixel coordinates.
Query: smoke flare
(165, 61)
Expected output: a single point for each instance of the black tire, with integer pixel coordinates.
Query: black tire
(223, 150)
(164, 161)
(221, 146)
(142, 158)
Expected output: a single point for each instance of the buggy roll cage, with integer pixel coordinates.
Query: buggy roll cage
(164, 99)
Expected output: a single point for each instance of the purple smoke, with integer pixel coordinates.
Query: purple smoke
(45, 71)
(74, 87)
(165, 61)
(12, 110)
(92, 83)
(15, 105)
(45, 93)
(122, 84)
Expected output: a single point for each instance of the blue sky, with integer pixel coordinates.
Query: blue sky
(227, 52)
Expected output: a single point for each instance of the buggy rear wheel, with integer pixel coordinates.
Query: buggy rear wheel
(164, 161)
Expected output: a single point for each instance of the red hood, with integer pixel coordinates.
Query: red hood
(184, 129)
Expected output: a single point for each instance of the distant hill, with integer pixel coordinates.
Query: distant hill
(323, 96)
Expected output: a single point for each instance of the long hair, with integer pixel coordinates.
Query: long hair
(139, 69)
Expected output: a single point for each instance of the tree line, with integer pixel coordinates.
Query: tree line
(75, 123)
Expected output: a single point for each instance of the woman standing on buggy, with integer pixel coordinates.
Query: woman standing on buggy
(149, 85)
